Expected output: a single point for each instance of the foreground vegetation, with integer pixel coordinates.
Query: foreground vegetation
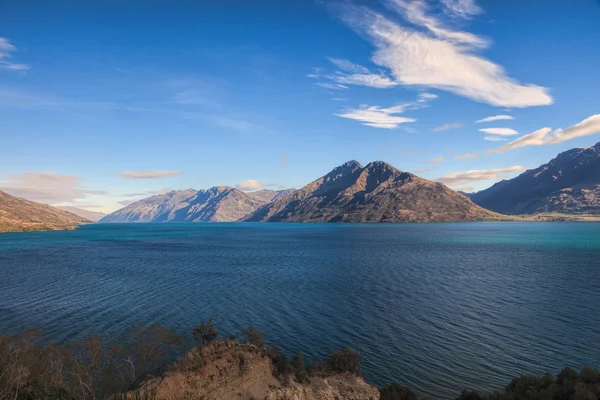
(129, 366)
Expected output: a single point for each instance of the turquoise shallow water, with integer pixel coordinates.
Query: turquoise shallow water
(436, 306)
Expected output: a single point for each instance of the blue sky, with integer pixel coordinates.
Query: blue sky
(103, 103)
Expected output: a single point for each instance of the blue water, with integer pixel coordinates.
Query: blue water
(439, 307)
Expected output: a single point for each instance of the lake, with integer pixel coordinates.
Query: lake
(438, 307)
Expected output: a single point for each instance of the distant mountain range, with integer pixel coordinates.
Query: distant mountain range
(93, 216)
(217, 204)
(568, 184)
(377, 192)
(17, 214)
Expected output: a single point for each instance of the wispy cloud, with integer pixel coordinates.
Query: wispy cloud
(284, 160)
(47, 187)
(350, 73)
(377, 117)
(546, 136)
(464, 156)
(408, 52)
(386, 118)
(249, 185)
(462, 8)
(331, 86)
(499, 131)
(448, 126)
(495, 118)
(6, 50)
(148, 174)
(462, 178)
(436, 160)
(348, 66)
(371, 80)
(495, 138)
(422, 170)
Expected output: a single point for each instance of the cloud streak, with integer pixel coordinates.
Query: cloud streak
(6, 50)
(495, 118)
(464, 156)
(148, 174)
(445, 127)
(249, 185)
(48, 187)
(499, 131)
(462, 178)
(430, 54)
(386, 118)
(546, 136)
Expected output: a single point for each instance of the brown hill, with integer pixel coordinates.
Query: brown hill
(568, 184)
(226, 370)
(377, 192)
(18, 215)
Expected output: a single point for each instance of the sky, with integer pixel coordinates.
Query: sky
(105, 102)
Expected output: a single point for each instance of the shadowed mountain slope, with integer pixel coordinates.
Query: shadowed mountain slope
(569, 184)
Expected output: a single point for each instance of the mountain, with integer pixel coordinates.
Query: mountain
(377, 192)
(568, 184)
(217, 204)
(17, 215)
(148, 209)
(93, 216)
(271, 195)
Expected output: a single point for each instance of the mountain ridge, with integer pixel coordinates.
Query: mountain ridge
(216, 204)
(377, 192)
(18, 215)
(568, 184)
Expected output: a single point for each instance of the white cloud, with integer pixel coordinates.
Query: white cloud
(6, 48)
(448, 126)
(47, 187)
(494, 118)
(370, 80)
(249, 185)
(436, 160)
(462, 8)
(331, 86)
(348, 66)
(439, 57)
(148, 174)
(462, 178)
(378, 117)
(463, 156)
(546, 136)
(499, 131)
(427, 96)
(495, 139)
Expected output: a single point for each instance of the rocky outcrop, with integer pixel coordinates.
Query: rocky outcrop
(377, 192)
(18, 215)
(568, 184)
(229, 370)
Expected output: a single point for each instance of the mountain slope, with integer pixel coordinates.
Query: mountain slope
(17, 214)
(146, 210)
(217, 204)
(377, 192)
(271, 195)
(93, 216)
(568, 184)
